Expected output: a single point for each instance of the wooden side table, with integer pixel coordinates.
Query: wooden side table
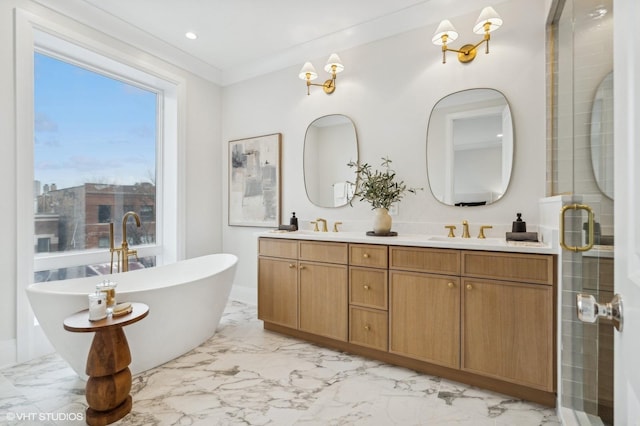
(109, 383)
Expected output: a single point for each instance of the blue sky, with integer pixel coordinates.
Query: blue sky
(91, 128)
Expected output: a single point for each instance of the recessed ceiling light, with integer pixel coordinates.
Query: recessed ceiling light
(191, 35)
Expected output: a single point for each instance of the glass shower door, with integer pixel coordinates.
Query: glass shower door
(581, 47)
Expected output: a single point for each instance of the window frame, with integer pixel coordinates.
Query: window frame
(55, 47)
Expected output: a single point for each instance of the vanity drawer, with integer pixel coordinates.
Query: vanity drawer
(369, 327)
(275, 247)
(320, 251)
(368, 287)
(530, 268)
(372, 256)
(435, 261)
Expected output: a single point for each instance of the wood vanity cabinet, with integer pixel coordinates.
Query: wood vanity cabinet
(425, 304)
(425, 317)
(323, 300)
(278, 278)
(483, 318)
(368, 296)
(303, 285)
(508, 317)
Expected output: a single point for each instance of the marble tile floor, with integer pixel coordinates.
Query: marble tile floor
(244, 375)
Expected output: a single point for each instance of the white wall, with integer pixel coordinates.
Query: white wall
(201, 137)
(388, 89)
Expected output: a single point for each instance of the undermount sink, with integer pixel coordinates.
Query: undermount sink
(460, 240)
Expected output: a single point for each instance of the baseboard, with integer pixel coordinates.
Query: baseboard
(7, 352)
(244, 294)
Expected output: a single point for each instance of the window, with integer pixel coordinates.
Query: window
(44, 245)
(103, 242)
(101, 132)
(146, 213)
(104, 213)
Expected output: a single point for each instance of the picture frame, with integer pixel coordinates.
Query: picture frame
(254, 181)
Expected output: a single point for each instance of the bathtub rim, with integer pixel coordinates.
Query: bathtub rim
(58, 286)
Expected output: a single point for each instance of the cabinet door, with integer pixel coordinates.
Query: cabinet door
(507, 331)
(324, 300)
(425, 317)
(322, 251)
(368, 327)
(368, 255)
(368, 287)
(278, 291)
(273, 247)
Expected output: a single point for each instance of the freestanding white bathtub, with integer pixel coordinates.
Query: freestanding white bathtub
(186, 300)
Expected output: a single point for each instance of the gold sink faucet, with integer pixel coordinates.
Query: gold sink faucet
(482, 228)
(465, 229)
(324, 224)
(125, 245)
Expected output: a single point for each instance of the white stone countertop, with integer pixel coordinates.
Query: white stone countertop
(418, 240)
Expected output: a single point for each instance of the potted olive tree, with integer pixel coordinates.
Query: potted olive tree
(381, 190)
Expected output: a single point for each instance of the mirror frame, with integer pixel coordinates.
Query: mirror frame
(304, 165)
(449, 160)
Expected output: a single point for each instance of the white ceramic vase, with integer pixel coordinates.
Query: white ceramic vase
(381, 221)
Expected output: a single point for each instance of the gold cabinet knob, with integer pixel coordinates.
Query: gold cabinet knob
(450, 285)
(303, 267)
(366, 287)
(291, 266)
(366, 255)
(469, 286)
(367, 327)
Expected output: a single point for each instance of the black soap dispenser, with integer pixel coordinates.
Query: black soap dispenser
(294, 221)
(519, 225)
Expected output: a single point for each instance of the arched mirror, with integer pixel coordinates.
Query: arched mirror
(329, 145)
(602, 136)
(470, 148)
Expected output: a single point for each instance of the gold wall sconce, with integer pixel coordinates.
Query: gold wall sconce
(487, 22)
(333, 66)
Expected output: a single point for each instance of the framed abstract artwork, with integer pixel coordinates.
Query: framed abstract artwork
(254, 181)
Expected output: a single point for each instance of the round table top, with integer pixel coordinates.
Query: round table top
(79, 322)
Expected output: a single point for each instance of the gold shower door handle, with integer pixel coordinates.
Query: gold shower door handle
(589, 211)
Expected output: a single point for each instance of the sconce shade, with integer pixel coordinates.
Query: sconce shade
(445, 28)
(489, 15)
(334, 59)
(308, 68)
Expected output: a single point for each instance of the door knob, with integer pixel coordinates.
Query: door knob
(589, 310)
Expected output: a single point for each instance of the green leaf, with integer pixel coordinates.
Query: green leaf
(378, 188)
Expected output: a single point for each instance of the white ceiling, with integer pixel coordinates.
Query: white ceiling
(240, 39)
